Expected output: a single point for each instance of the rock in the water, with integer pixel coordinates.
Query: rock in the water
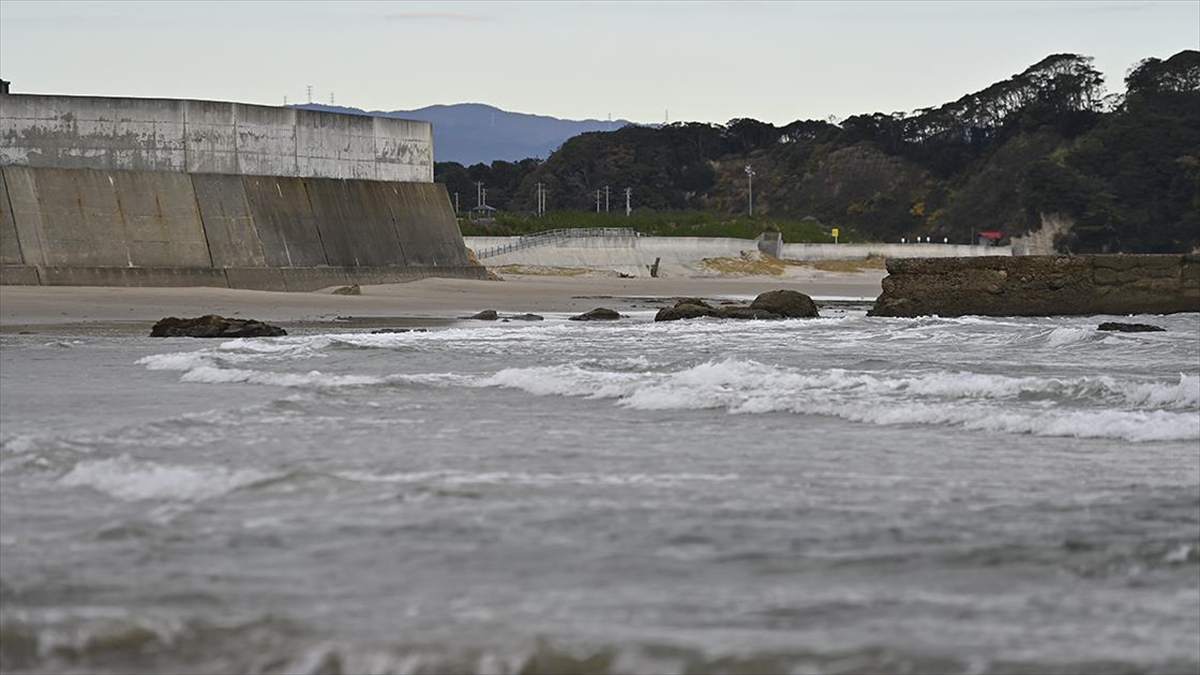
(214, 326)
(399, 330)
(787, 304)
(692, 308)
(1129, 327)
(527, 317)
(693, 301)
(348, 290)
(684, 309)
(487, 315)
(598, 314)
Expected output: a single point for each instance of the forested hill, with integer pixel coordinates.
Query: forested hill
(468, 133)
(1046, 143)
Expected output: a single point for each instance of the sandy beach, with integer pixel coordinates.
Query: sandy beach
(431, 300)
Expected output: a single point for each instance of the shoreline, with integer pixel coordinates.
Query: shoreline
(425, 302)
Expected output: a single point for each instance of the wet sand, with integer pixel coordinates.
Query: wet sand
(424, 302)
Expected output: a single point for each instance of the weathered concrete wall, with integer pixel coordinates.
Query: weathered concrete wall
(119, 191)
(634, 255)
(122, 228)
(1041, 286)
(183, 136)
(882, 250)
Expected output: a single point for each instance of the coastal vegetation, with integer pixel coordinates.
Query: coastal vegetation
(1123, 170)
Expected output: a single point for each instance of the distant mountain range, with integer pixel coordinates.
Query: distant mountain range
(473, 133)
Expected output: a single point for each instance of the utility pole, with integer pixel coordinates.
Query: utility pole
(285, 100)
(541, 199)
(628, 194)
(606, 199)
(750, 175)
(478, 193)
(309, 93)
(331, 98)
(597, 201)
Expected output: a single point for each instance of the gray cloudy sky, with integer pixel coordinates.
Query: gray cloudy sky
(642, 60)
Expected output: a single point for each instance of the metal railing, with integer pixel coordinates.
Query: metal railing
(552, 236)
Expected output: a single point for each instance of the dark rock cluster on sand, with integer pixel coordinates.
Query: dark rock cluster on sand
(772, 305)
(214, 326)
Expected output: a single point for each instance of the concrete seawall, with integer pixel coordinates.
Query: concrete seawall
(134, 228)
(1041, 286)
(159, 192)
(184, 136)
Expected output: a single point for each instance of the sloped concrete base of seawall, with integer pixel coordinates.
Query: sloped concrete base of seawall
(249, 278)
(1040, 286)
(85, 227)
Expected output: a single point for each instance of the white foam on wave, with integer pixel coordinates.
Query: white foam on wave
(175, 361)
(18, 444)
(1064, 336)
(314, 379)
(454, 477)
(1185, 394)
(132, 480)
(203, 367)
(565, 380)
(1077, 407)
(1114, 424)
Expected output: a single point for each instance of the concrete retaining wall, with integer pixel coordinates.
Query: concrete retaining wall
(181, 136)
(1041, 286)
(149, 228)
(634, 255)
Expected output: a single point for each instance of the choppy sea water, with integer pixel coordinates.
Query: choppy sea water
(842, 495)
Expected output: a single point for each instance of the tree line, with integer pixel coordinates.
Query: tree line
(1048, 141)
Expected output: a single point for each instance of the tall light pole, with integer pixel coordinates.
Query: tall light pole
(628, 194)
(606, 199)
(750, 175)
(541, 204)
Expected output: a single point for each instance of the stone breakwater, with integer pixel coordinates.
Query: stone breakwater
(1041, 286)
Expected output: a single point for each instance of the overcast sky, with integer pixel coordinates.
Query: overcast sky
(643, 61)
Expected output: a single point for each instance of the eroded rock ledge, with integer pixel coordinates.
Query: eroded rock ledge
(1040, 285)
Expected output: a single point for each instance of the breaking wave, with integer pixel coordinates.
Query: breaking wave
(129, 479)
(1084, 407)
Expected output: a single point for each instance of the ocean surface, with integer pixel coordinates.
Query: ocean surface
(847, 494)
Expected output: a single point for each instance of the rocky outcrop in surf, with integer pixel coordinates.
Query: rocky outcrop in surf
(1041, 286)
(598, 314)
(214, 326)
(772, 305)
